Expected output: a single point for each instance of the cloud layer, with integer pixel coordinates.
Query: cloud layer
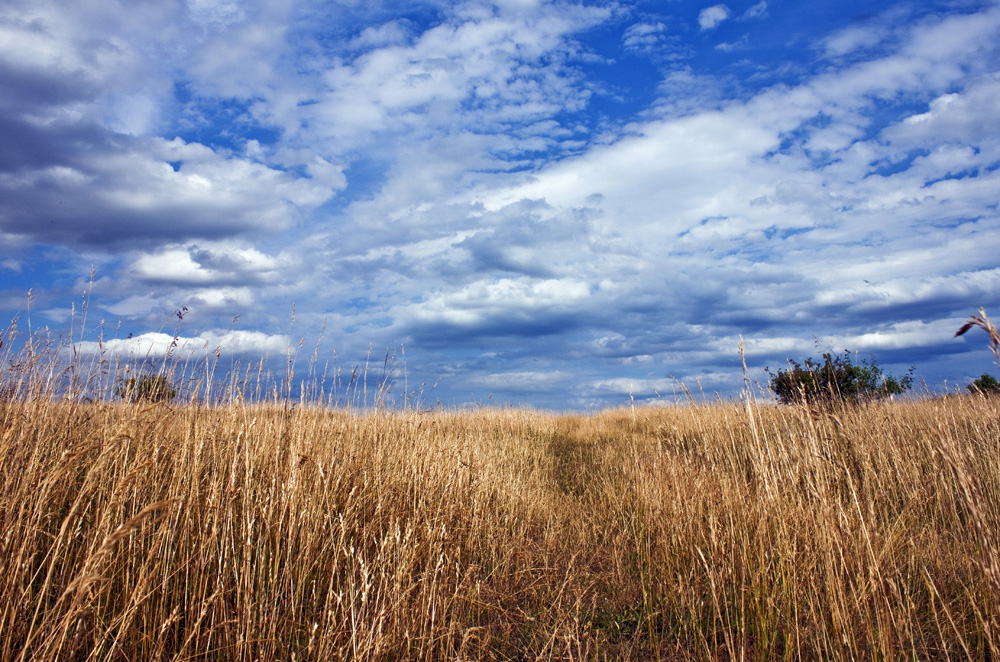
(562, 204)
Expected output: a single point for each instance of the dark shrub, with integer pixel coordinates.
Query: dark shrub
(986, 384)
(837, 377)
(148, 388)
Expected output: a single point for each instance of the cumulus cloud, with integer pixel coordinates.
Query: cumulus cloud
(759, 10)
(208, 263)
(523, 381)
(75, 172)
(643, 37)
(854, 38)
(730, 46)
(126, 190)
(216, 14)
(521, 306)
(711, 17)
(159, 345)
(955, 118)
(497, 71)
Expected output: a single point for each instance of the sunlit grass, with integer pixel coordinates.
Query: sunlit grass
(703, 532)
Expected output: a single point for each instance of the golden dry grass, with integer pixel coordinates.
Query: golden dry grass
(731, 531)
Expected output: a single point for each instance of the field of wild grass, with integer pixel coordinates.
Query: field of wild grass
(253, 530)
(703, 532)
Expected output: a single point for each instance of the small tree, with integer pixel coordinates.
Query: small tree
(148, 388)
(987, 384)
(837, 377)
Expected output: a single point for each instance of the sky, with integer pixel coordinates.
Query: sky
(564, 205)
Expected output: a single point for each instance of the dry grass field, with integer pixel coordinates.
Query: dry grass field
(732, 531)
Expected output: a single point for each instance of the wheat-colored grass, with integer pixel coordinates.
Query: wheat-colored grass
(704, 532)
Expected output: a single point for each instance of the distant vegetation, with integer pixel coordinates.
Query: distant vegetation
(148, 388)
(836, 378)
(987, 384)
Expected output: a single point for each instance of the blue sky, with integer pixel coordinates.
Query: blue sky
(559, 204)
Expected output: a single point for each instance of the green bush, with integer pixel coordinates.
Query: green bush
(836, 378)
(148, 388)
(987, 384)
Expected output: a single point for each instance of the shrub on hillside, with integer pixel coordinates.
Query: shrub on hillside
(148, 388)
(987, 384)
(836, 378)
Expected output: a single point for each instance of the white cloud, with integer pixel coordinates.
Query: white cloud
(172, 265)
(891, 290)
(393, 33)
(222, 298)
(693, 155)
(643, 37)
(759, 10)
(242, 59)
(624, 388)
(730, 46)
(131, 192)
(497, 302)
(521, 381)
(854, 38)
(898, 336)
(710, 18)
(208, 263)
(133, 306)
(159, 345)
(216, 14)
(959, 116)
(481, 70)
(762, 348)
